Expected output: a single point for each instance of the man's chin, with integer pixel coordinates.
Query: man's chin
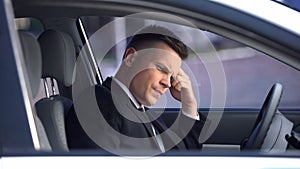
(151, 102)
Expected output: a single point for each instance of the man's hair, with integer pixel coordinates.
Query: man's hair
(152, 34)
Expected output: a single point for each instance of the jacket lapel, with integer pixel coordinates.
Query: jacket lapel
(123, 104)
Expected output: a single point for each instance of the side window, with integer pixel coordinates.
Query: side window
(248, 73)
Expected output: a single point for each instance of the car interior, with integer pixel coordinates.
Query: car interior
(59, 59)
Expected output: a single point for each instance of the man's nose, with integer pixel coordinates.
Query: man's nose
(166, 81)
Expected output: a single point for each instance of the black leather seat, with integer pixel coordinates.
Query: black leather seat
(58, 61)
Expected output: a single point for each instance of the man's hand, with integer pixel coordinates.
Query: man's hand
(181, 90)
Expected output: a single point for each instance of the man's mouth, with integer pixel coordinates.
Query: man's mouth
(158, 93)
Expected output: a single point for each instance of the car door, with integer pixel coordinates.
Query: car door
(19, 143)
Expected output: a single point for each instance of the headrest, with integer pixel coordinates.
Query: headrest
(33, 60)
(58, 53)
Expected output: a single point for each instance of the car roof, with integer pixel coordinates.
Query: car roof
(233, 19)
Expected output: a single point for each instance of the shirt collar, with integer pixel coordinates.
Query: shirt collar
(129, 94)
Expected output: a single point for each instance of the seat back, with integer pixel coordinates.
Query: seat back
(33, 62)
(58, 61)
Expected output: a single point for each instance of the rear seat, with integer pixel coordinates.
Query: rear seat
(33, 62)
(58, 62)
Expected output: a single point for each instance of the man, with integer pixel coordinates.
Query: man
(151, 66)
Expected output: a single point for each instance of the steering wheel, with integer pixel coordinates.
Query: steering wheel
(264, 119)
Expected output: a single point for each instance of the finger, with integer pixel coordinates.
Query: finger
(181, 72)
(184, 81)
(177, 87)
(181, 80)
(177, 84)
(174, 83)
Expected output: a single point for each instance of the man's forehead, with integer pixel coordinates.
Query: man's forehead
(163, 55)
(160, 50)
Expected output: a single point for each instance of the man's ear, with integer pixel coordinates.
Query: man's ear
(129, 56)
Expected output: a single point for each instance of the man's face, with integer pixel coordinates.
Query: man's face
(153, 69)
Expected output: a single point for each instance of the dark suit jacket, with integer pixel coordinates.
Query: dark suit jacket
(104, 117)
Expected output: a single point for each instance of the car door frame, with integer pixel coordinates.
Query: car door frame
(16, 109)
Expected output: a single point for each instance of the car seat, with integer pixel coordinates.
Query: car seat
(58, 61)
(33, 62)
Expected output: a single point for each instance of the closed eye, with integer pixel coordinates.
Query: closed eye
(158, 67)
(162, 69)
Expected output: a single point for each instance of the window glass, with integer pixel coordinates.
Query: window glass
(249, 74)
